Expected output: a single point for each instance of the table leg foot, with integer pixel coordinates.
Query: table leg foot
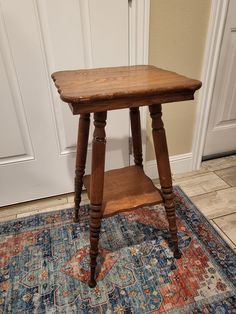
(76, 215)
(177, 254)
(92, 283)
(169, 204)
(95, 225)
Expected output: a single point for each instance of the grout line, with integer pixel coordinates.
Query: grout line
(223, 232)
(234, 212)
(216, 217)
(194, 175)
(224, 179)
(227, 157)
(28, 203)
(8, 218)
(225, 168)
(199, 175)
(220, 189)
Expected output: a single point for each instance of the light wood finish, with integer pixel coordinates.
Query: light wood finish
(219, 163)
(122, 193)
(27, 207)
(217, 203)
(225, 164)
(7, 218)
(201, 184)
(163, 166)
(136, 136)
(222, 230)
(122, 87)
(71, 197)
(99, 90)
(228, 223)
(81, 154)
(44, 210)
(228, 175)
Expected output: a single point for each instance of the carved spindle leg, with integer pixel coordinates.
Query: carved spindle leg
(81, 154)
(136, 136)
(163, 165)
(96, 189)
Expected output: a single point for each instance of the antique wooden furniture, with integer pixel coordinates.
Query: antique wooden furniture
(97, 91)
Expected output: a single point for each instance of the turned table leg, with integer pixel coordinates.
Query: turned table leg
(136, 135)
(96, 189)
(81, 154)
(163, 165)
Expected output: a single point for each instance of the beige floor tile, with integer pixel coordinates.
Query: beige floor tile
(200, 184)
(45, 210)
(84, 197)
(7, 218)
(84, 201)
(27, 214)
(228, 225)
(209, 166)
(70, 197)
(217, 203)
(219, 163)
(32, 206)
(228, 175)
(156, 182)
(51, 209)
(189, 174)
(223, 235)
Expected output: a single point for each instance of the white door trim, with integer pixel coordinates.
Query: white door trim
(213, 45)
(139, 11)
(178, 164)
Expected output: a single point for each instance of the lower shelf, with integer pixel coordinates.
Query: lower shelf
(125, 189)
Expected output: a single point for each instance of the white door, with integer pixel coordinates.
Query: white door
(37, 131)
(221, 133)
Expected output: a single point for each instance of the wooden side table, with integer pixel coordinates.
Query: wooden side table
(100, 90)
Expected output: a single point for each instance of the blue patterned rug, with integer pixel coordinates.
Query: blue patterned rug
(44, 264)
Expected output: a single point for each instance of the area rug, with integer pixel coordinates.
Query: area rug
(44, 264)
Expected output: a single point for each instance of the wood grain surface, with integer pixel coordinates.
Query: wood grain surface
(125, 189)
(109, 87)
(100, 90)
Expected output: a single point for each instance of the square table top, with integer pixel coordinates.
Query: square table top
(92, 90)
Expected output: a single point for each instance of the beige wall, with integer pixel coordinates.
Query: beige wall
(178, 30)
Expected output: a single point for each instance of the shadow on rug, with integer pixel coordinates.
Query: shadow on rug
(44, 264)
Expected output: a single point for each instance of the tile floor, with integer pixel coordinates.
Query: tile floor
(212, 189)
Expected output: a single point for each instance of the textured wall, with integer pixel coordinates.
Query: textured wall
(178, 30)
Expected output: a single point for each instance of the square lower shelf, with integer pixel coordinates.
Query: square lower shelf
(126, 189)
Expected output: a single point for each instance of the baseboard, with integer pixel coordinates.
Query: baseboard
(178, 163)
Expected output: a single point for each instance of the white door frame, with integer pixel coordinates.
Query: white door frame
(217, 20)
(139, 11)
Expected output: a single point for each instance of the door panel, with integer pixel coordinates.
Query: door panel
(63, 47)
(222, 123)
(14, 146)
(38, 131)
(106, 44)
